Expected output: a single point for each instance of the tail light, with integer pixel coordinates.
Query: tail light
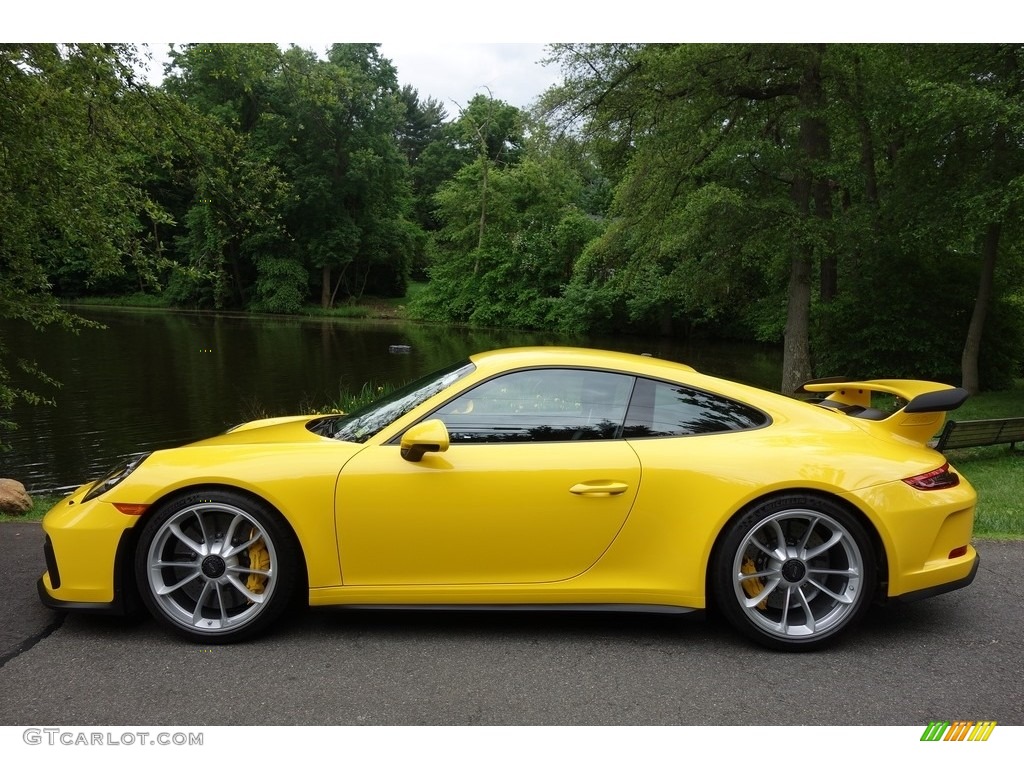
(936, 480)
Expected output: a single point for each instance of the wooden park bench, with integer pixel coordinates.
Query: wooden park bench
(971, 434)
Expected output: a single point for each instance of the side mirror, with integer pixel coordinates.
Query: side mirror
(427, 436)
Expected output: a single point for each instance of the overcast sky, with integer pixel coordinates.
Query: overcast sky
(452, 49)
(451, 73)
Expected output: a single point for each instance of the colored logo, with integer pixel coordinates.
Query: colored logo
(959, 730)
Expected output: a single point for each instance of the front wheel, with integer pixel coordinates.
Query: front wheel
(794, 573)
(217, 566)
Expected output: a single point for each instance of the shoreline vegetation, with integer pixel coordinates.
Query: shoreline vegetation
(994, 471)
(367, 308)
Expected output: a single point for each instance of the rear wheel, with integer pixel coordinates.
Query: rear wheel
(794, 573)
(217, 566)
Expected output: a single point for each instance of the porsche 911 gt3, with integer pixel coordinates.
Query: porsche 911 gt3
(538, 477)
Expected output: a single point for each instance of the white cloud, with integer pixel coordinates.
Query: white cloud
(451, 73)
(455, 72)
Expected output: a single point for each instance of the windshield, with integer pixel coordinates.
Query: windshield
(363, 423)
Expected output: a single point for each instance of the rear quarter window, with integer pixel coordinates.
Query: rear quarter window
(664, 409)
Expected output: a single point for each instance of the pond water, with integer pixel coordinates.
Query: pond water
(153, 379)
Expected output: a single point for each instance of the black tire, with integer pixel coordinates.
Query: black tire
(217, 566)
(794, 573)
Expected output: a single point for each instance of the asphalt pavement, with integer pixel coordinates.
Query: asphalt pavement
(24, 621)
(955, 656)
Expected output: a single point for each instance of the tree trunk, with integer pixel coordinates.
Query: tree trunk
(236, 272)
(338, 282)
(326, 299)
(796, 353)
(814, 147)
(970, 378)
(796, 350)
(483, 215)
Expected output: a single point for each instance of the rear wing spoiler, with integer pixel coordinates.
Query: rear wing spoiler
(922, 415)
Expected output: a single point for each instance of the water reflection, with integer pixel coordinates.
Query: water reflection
(157, 379)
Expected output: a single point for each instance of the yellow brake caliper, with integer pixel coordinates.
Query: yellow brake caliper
(753, 587)
(259, 560)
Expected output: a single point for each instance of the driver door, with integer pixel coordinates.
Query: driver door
(534, 487)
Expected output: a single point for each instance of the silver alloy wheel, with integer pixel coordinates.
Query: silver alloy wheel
(212, 567)
(798, 573)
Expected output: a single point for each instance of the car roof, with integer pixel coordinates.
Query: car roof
(526, 357)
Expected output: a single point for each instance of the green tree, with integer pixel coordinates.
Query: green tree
(74, 126)
(235, 190)
(724, 154)
(428, 141)
(922, 215)
(513, 273)
(971, 102)
(494, 129)
(304, 184)
(811, 177)
(422, 124)
(370, 239)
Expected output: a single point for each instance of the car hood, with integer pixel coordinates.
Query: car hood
(277, 459)
(284, 429)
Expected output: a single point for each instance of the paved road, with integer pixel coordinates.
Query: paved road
(958, 656)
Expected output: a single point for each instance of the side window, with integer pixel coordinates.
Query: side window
(541, 405)
(660, 409)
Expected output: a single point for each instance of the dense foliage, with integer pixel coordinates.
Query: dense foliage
(76, 151)
(853, 201)
(858, 204)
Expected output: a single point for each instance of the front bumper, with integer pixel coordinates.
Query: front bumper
(88, 551)
(116, 607)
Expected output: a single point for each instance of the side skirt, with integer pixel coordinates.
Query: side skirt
(504, 607)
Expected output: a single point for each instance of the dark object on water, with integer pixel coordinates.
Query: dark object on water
(399, 349)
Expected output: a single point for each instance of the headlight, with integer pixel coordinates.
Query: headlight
(115, 476)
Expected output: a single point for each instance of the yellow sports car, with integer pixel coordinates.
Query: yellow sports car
(538, 477)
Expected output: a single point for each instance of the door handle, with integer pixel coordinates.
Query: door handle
(599, 488)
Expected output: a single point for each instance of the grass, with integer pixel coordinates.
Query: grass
(349, 401)
(41, 504)
(352, 311)
(372, 307)
(993, 405)
(999, 480)
(143, 300)
(367, 308)
(997, 471)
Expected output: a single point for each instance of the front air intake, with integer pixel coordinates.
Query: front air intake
(51, 563)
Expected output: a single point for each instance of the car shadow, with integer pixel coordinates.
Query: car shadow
(892, 626)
